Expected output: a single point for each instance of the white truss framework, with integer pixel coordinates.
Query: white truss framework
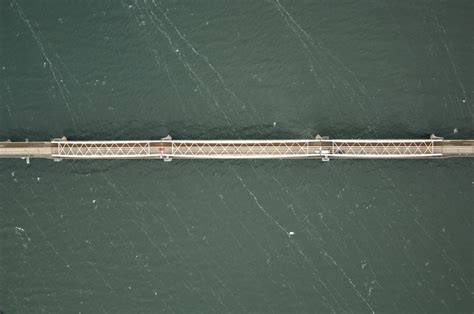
(383, 148)
(245, 149)
(101, 149)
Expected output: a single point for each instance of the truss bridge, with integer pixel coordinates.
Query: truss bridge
(168, 149)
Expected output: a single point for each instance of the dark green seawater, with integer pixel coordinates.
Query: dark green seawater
(213, 236)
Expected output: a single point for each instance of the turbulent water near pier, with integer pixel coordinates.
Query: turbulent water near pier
(236, 236)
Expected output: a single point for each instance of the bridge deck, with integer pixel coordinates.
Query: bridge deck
(168, 149)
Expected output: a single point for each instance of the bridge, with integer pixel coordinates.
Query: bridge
(168, 149)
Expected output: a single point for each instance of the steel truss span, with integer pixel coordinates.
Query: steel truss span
(101, 149)
(384, 148)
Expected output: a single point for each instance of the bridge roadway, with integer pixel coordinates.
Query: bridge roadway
(168, 149)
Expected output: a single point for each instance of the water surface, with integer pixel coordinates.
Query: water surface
(213, 236)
